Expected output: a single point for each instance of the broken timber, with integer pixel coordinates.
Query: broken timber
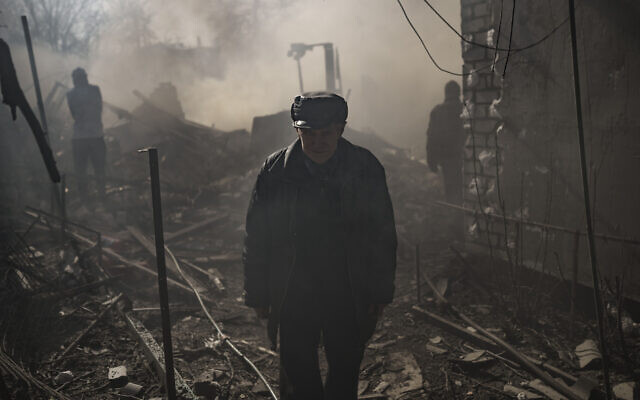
(148, 245)
(84, 288)
(8, 365)
(73, 344)
(154, 354)
(482, 341)
(108, 252)
(212, 273)
(136, 265)
(193, 228)
(515, 355)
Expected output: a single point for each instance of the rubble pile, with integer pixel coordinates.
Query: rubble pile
(79, 296)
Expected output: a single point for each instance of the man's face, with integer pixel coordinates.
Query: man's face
(320, 144)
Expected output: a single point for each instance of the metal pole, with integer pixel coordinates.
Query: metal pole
(418, 273)
(43, 117)
(34, 72)
(63, 204)
(170, 383)
(329, 67)
(300, 75)
(587, 204)
(574, 280)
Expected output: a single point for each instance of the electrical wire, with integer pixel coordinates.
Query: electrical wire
(427, 49)
(513, 15)
(461, 36)
(221, 335)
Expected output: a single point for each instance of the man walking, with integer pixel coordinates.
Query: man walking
(85, 105)
(320, 250)
(445, 149)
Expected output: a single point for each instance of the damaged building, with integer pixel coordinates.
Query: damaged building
(141, 292)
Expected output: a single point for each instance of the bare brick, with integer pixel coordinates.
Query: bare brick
(481, 10)
(466, 12)
(475, 25)
(484, 126)
(486, 96)
(475, 53)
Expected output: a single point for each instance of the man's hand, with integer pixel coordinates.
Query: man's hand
(376, 309)
(262, 312)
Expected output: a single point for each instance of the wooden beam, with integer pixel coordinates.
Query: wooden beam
(193, 228)
(154, 354)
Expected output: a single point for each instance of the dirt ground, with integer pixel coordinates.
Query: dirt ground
(409, 356)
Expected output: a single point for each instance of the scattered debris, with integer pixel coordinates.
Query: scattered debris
(475, 358)
(73, 344)
(381, 345)
(206, 385)
(63, 377)
(435, 349)
(546, 390)
(521, 393)
(155, 354)
(403, 374)
(118, 376)
(587, 353)
(130, 389)
(626, 391)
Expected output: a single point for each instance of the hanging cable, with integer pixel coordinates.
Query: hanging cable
(461, 36)
(427, 49)
(513, 15)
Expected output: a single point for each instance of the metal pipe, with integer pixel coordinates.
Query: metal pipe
(63, 204)
(587, 204)
(170, 383)
(329, 67)
(300, 75)
(34, 72)
(43, 117)
(417, 274)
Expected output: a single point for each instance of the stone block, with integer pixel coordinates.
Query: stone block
(118, 376)
(475, 53)
(481, 9)
(481, 110)
(486, 96)
(475, 25)
(484, 126)
(466, 12)
(466, 3)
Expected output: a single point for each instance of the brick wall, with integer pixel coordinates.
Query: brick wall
(528, 119)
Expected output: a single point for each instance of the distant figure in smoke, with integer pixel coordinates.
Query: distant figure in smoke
(445, 149)
(320, 250)
(85, 104)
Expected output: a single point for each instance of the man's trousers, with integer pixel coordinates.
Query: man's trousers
(306, 321)
(85, 150)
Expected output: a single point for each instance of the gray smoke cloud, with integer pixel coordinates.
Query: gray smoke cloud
(245, 70)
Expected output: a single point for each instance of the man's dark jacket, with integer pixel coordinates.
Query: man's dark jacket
(369, 233)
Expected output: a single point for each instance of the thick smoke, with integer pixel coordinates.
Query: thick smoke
(246, 71)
